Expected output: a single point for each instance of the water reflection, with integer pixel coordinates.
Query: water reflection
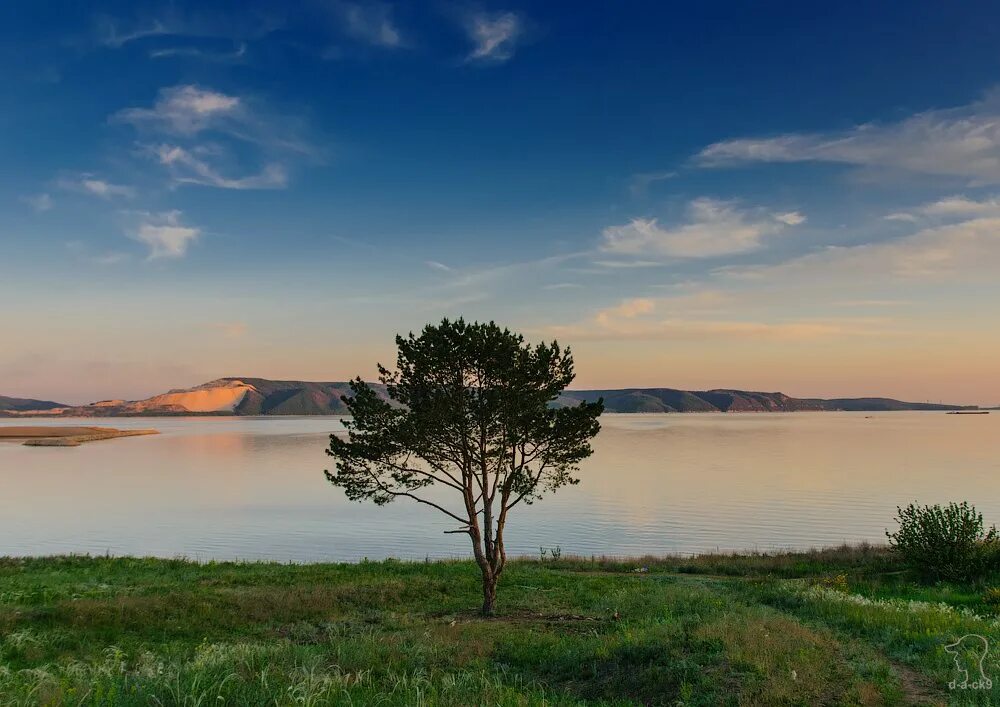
(253, 488)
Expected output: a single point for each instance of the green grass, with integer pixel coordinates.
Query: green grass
(843, 626)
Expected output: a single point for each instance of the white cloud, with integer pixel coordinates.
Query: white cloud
(495, 36)
(372, 23)
(962, 206)
(39, 202)
(966, 250)
(961, 142)
(950, 207)
(627, 309)
(165, 235)
(790, 218)
(714, 228)
(87, 184)
(184, 110)
(213, 137)
(186, 168)
(437, 266)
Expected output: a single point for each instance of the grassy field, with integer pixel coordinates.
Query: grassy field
(842, 626)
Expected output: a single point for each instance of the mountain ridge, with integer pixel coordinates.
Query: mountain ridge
(241, 396)
(27, 404)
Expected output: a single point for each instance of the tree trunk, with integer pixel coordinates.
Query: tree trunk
(489, 593)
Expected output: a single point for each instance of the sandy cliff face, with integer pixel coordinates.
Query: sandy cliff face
(216, 396)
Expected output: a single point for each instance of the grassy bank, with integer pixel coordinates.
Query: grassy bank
(841, 626)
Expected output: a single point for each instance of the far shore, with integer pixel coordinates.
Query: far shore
(42, 436)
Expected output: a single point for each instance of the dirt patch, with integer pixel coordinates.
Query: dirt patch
(524, 616)
(917, 689)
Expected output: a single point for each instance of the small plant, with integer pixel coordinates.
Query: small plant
(837, 583)
(944, 542)
(554, 552)
(991, 597)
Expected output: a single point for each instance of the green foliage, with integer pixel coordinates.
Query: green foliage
(944, 542)
(464, 395)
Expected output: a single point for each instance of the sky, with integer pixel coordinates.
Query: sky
(779, 196)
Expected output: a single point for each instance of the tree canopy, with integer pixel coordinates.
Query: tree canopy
(472, 408)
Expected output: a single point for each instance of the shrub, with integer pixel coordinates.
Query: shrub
(944, 542)
(991, 597)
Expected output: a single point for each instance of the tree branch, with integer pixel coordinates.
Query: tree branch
(406, 494)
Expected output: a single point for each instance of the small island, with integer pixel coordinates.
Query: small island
(43, 436)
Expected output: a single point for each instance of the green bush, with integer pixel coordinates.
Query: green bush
(946, 543)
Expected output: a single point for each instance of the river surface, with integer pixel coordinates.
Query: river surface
(253, 488)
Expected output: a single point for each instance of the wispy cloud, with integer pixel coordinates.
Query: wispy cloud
(714, 228)
(205, 23)
(790, 218)
(185, 110)
(39, 202)
(187, 168)
(644, 318)
(628, 263)
(370, 22)
(627, 309)
(112, 33)
(494, 36)
(238, 54)
(965, 250)
(961, 142)
(88, 184)
(109, 258)
(210, 137)
(165, 235)
(950, 207)
(435, 265)
(82, 251)
(961, 206)
(640, 183)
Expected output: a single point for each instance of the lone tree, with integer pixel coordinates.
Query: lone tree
(468, 410)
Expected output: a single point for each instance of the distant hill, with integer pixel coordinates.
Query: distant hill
(724, 400)
(231, 396)
(15, 405)
(260, 396)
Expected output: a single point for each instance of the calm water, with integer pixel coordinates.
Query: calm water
(254, 488)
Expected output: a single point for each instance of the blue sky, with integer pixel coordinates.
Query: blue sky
(777, 196)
